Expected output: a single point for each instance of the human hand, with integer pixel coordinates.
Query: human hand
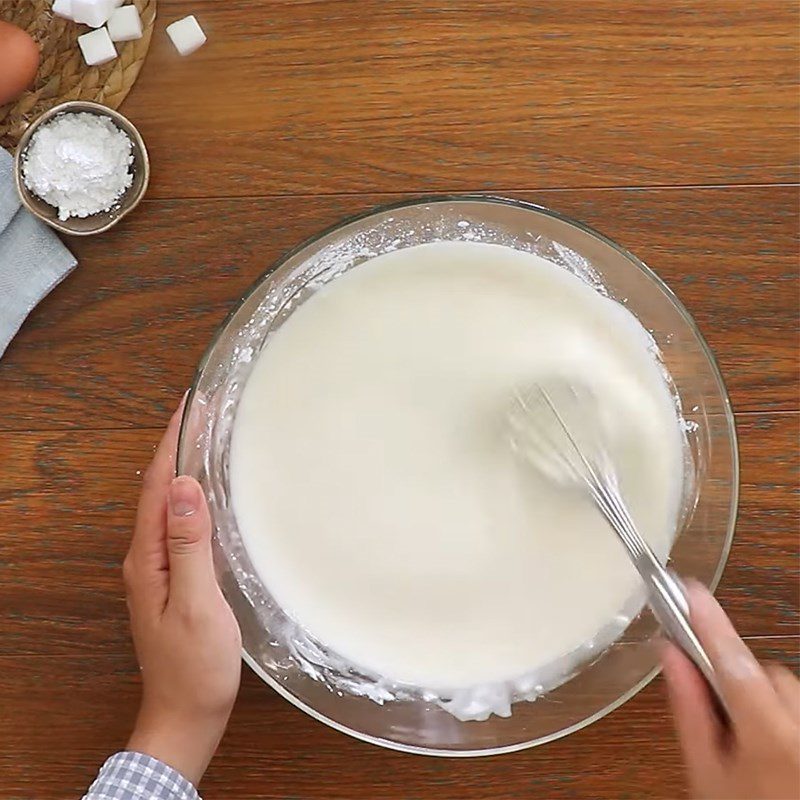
(755, 757)
(186, 638)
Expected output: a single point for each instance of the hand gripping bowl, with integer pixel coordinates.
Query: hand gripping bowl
(603, 680)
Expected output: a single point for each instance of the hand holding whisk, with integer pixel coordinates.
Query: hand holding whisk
(551, 427)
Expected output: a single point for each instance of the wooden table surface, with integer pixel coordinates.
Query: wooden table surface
(670, 125)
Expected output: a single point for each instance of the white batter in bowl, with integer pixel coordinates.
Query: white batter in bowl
(430, 553)
(378, 539)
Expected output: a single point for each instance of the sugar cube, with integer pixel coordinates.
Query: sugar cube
(186, 35)
(97, 47)
(124, 24)
(63, 8)
(93, 13)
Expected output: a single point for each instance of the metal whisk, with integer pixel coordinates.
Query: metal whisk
(553, 427)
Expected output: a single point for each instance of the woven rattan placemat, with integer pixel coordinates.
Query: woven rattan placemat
(63, 75)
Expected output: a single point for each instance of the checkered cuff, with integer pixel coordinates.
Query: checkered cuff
(135, 776)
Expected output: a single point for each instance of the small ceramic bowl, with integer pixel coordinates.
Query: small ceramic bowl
(103, 220)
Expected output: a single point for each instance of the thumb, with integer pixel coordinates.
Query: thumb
(699, 731)
(191, 567)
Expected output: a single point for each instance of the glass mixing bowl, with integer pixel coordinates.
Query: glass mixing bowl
(603, 681)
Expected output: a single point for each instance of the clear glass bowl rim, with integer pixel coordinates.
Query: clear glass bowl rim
(669, 295)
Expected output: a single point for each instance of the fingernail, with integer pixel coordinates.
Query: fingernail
(737, 663)
(183, 497)
(694, 585)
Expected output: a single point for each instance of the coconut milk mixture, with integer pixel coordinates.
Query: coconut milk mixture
(375, 488)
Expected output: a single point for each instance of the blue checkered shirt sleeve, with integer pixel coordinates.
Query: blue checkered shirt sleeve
(135, 776)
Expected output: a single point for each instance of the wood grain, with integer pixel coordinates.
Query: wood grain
(321, 97)
(68, 500)
(65, 714)
(120, 339)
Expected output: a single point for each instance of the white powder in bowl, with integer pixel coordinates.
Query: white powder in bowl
(79, 163)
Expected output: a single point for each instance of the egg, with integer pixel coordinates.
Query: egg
(19, 60)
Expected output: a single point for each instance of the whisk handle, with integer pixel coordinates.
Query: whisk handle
(670, 605)
(665, 593)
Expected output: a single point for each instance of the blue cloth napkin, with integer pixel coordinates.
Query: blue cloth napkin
(32, 258)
